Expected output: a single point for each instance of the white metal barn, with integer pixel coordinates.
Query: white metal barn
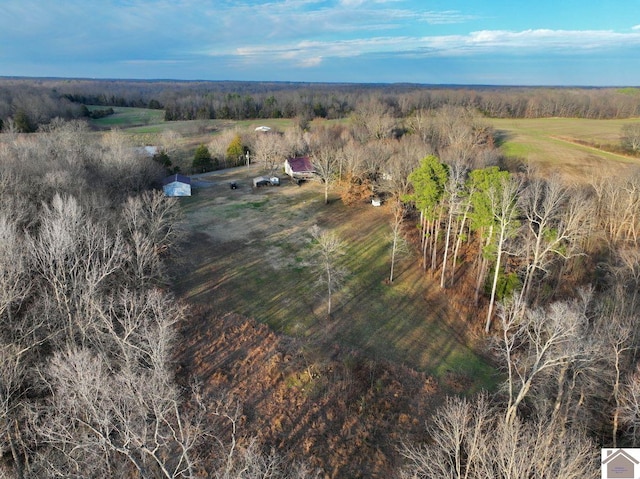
(177, 185)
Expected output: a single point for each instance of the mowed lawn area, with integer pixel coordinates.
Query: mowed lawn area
(248, 251)
(125, 117)
(550, 144)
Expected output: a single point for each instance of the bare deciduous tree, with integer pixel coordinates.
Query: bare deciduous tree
(169, 140)
(220, 143)
(12, 390)
(121, 403)
(374, 119)
(617, 206)
(626, 271)
(629, 408)
(503, 200)
(617, 332)
(328, 250)
(399, 245)
(150, 221)
(74, 257)
(537, 342)
(469, 441)
(556, 218)
(630, 136)
(271, 150)
(14, 284)
(325, 163)
(403, 160)
(124, 168)
(457, 441)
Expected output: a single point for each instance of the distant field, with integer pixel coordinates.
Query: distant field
(547, 142)
(143, 121)
(125, 117)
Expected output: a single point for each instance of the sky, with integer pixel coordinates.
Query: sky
(465, 42)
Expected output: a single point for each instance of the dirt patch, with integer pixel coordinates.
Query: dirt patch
(341, 413)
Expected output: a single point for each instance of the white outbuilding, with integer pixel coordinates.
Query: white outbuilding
(177, 185)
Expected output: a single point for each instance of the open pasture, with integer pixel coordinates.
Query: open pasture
(125, 117)
(551, 144)
(248, 252)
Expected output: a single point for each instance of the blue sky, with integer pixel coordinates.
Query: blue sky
(498, 42)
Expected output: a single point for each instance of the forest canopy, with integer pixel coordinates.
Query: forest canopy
(33, 102)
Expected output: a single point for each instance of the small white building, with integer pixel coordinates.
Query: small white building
(148, 151)
(177, 185)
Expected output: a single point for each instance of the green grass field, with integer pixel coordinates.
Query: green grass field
(252, 258)
(143, 120)
(125, 117)
(549, 144)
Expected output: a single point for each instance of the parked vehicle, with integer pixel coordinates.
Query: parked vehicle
(266, 181)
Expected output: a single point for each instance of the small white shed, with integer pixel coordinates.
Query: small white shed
(177, 185)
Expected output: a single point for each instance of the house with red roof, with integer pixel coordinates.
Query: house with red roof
(299, 168)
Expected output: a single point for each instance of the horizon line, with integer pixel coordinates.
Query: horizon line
(303, 82)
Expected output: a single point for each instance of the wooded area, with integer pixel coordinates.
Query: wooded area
(31, 103)
(552, 270)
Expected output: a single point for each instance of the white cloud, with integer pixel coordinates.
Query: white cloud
(174, 28)
(448, 17)
(544, 39)
(635, 27)
(310, 62)
(480, 42)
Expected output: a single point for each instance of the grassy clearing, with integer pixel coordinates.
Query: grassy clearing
(125, 117)
(250, 255)
(547, 142)
(274, 123)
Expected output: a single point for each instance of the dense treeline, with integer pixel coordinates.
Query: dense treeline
(31, 103)
(88, 327)
(86, 332)
(339, 102)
